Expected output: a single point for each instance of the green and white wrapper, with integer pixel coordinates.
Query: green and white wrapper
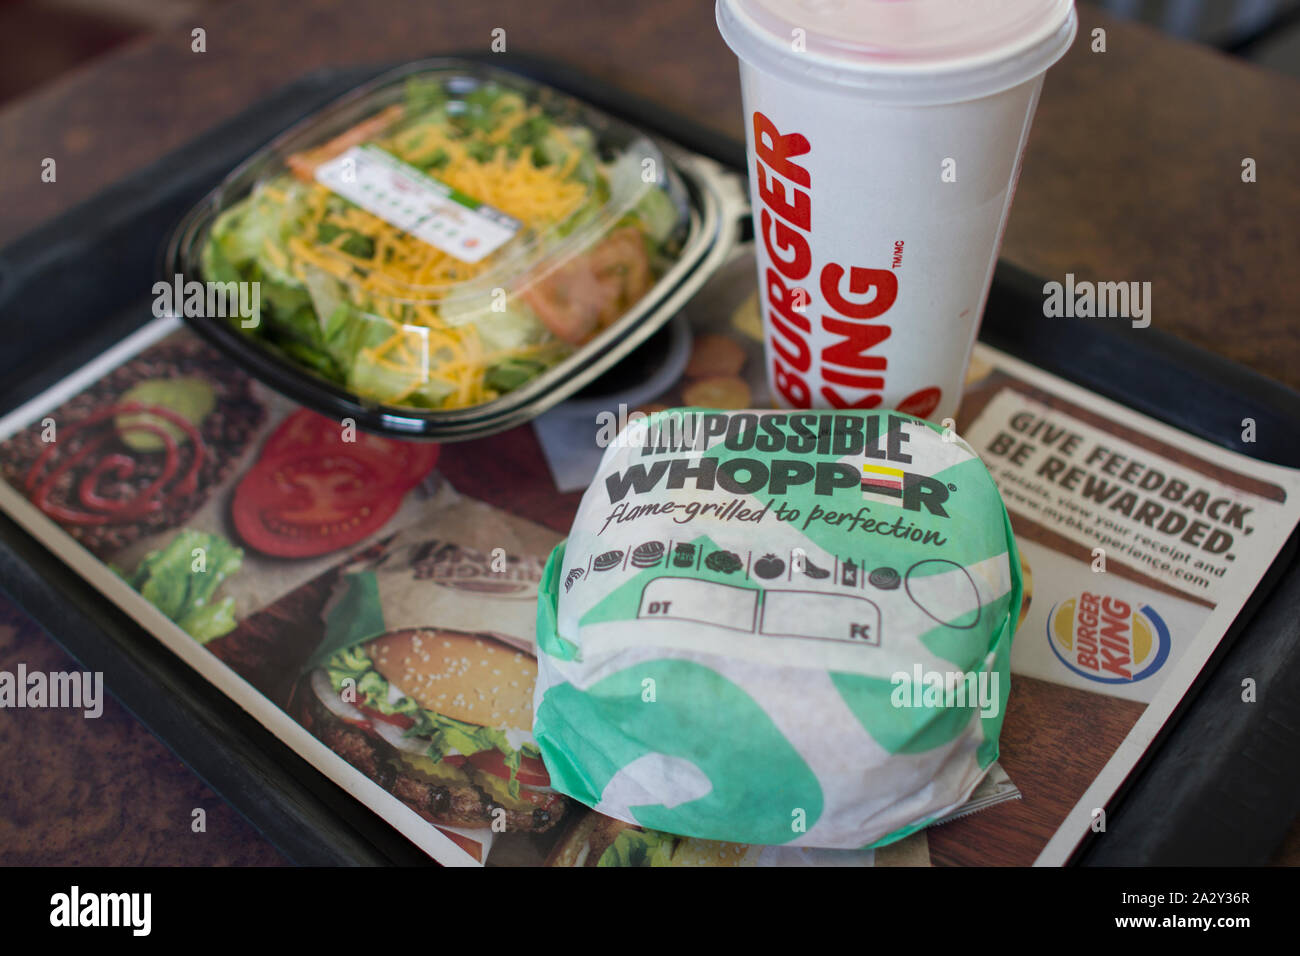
(820, 686)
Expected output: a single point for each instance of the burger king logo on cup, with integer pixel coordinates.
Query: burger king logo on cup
(1106, 639)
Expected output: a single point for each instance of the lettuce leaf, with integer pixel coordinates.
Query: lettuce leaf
(181, 578)
(639, 848)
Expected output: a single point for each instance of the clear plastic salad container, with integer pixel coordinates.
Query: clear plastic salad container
(452, 248)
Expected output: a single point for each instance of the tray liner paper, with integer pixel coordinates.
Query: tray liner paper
(1076, 473)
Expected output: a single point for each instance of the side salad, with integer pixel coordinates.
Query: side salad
(398, 320)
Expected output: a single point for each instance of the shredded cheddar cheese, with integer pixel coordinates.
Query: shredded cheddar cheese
(406, 267)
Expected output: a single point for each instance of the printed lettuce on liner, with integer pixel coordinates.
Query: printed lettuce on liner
(719, 635)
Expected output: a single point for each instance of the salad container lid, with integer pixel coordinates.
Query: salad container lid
(431, 250)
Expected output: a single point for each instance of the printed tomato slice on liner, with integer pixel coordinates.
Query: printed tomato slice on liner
(532, 771)
(307, 502)
(397, 720)
(407, 462)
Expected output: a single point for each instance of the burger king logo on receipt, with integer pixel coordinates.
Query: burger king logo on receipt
(1106, 639)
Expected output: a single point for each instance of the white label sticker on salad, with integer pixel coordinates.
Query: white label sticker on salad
(416, 203)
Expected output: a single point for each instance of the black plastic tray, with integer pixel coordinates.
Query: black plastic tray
(1220, 786)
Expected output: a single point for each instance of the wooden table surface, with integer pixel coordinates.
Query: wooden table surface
(1132, 172)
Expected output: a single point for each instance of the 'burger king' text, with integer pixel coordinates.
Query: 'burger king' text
(852, 376)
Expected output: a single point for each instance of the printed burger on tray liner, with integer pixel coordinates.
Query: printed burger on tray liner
(779, 628)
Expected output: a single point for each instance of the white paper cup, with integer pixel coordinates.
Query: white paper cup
(884, 141)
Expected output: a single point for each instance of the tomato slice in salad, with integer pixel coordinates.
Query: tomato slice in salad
(592, 290)
(309, 502)
(532, 771)
(407, 462)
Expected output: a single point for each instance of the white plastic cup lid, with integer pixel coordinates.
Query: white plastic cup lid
(914, 51)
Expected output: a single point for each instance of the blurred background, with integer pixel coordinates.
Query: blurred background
(41, 39)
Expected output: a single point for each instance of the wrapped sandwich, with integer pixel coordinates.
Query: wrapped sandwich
(788, 628)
